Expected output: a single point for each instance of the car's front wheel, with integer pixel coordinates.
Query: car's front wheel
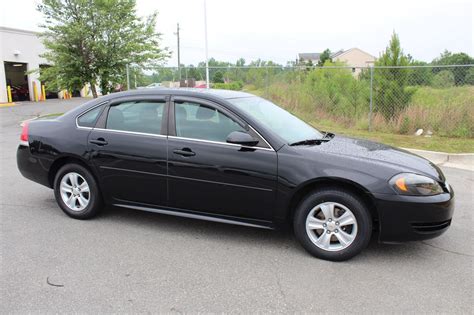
(333, 224)
(76, 192)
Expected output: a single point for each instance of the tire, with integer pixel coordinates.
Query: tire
(77, 200)
(334, 235)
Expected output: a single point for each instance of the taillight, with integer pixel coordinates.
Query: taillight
(24, 132)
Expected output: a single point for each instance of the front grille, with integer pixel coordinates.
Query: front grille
(427, 227)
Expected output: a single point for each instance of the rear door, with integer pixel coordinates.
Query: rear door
(207, 174)
(129, 149)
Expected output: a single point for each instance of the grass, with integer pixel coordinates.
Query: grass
(427, 97)
(447, 97)
(434, 143)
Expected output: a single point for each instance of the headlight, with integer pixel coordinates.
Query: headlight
(415, 185)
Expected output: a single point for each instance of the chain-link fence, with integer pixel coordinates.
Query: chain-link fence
(437, 99)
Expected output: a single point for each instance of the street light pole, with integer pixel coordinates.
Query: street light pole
(179, 59)
(128, 77)
(205, 40)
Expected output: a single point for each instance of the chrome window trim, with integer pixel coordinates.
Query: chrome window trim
(270, 148)
(85, 112)
(132, 132)
(265, 140)
(221, 143)
(182, 138)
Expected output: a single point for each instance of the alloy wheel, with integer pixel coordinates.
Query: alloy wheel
(331, 226)
(75, 191)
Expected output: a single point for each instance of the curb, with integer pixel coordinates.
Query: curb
(457, 160)
(7, 104)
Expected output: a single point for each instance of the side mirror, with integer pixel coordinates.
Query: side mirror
(242, 138)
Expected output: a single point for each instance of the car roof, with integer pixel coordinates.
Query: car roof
(223, 94)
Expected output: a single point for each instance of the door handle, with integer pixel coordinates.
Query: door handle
(99, 141)
(184, 152)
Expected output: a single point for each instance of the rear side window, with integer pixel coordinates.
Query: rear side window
(89, 119)
(141, 116)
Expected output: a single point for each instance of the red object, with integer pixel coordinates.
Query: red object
(24, 132)
(201, 86)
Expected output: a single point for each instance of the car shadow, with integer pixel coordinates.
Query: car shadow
(235, 235)
(196, 227)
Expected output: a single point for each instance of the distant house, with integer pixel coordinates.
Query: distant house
(308, 57)
(354, 57)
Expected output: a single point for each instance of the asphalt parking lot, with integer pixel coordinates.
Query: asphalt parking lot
(130, 261)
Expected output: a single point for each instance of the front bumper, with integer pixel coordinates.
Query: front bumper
(411, 218)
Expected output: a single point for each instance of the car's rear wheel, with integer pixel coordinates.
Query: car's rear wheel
(333, 224)
(76, 192)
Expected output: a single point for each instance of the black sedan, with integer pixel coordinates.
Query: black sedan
(232, 157)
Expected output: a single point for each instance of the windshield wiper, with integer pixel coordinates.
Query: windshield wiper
(310, 141)
(327, 136)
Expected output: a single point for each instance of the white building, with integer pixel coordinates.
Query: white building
(20, 52)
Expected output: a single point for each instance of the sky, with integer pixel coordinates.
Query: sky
(279, 30)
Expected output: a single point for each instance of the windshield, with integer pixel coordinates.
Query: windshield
(281, 122)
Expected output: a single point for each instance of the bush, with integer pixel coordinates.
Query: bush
(391, 91)
(443, 79)
(405, 125)
(235, 86)
(470, 77)
(337, 91)
(218, 77)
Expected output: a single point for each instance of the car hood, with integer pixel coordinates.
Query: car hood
(381, 153)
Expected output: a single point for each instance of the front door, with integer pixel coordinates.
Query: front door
(128, 148)
(207, 174)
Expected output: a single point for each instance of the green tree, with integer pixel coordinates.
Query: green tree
(390, 92)
(92, 41)
(336, 91)
(470, 76)
(218, 77)
(138, 78)
(325, 56)
(214, 66)
(448, 58)
(195, 73)
(163, 74)
(309, 65)
(444, 79)
(421, 74)
(240, 62)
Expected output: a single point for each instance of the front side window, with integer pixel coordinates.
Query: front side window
(278, 120)
(89, 118)
(197, 121)
(139, 116)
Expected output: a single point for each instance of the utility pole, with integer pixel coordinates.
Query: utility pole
(179, 59)
(205, 40)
